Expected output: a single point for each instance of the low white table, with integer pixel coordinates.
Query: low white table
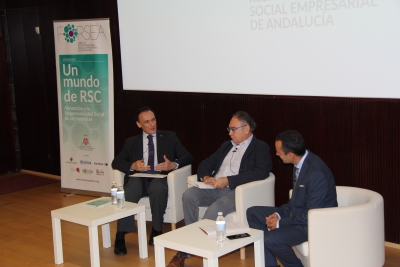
(92, 217)
(191, 239)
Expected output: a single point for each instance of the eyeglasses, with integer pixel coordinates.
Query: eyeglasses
(235, 128)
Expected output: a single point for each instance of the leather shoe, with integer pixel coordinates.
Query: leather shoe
(153, 234)
(119, 247)
(176, 262)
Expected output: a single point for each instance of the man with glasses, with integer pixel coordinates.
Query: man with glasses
(241, 160)
(153, 151)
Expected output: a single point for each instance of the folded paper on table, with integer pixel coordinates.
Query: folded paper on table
(100, 202)
(200, 185)
(231, 228)
(148, 175)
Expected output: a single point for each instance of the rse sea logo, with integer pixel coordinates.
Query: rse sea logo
(70, 33)
(78, 32)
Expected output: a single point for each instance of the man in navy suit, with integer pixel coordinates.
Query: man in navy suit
(168, 153)
(243, 159)
(313, 187)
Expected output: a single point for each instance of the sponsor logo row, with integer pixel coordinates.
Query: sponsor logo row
(71, 161)
(88, 171)
(97, 171)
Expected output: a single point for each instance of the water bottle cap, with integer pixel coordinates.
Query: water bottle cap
(220, 213)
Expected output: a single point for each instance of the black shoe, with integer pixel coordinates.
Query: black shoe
(119, 247)
(153, 234)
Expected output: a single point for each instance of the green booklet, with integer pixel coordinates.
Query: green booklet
(99, 202)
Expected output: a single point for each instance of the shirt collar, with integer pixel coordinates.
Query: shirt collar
(145, 135)
(300, 164)
(244, 143)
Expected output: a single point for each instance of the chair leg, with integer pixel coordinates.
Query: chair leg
(173, 226)
(242, 253)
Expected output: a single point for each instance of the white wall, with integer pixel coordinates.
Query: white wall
(343, 48)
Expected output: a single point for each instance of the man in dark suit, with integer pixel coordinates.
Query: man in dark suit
(153, 151)
(241, 160)
(313, 187)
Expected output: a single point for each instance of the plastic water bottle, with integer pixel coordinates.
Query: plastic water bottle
(120, 197)
(221, 228)
(114, 189)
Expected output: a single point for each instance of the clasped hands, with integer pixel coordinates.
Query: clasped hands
(167, 165)
(219, 183)
(271, 221)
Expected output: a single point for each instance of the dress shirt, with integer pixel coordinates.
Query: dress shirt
(300, 164)
(146, 148)
(231, 163)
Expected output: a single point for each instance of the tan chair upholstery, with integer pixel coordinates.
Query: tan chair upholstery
(176, 186)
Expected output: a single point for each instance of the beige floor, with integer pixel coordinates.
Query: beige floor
(26, 235)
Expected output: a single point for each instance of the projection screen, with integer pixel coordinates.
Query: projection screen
(339, 48)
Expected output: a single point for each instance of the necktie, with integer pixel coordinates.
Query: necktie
(151, 154)
(295, 176)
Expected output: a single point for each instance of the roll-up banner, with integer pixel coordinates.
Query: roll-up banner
(85, 104)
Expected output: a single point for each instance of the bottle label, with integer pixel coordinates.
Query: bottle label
(221, 226)
(120, 195)
(113, 191)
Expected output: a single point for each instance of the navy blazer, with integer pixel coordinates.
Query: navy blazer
(167, 144)
(256, 163)
(315, 188)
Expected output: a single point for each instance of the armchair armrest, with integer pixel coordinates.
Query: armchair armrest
(346, 234)
(177, 184)
(191, 178)
(257, 193)
(118, 177)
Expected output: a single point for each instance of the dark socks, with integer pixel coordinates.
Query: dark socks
(120, 236)
(155, 231)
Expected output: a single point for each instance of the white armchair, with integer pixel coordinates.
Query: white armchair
(176, 186)
(351, 234)
(258, 193)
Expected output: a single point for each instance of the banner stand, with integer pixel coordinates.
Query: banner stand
(85, 105)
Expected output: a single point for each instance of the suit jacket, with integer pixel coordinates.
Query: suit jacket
(167, 144)
(255, 165)
(315, 188)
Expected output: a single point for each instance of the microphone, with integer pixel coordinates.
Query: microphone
(234, 150)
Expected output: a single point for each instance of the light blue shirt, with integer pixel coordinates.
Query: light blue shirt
(300, 164)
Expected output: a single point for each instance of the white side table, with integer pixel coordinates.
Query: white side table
(191, 239)
(92, 217)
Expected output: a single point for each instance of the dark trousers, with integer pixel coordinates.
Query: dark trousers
(278, 242)
(135, 188)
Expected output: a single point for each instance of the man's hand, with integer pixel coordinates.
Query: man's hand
(221, 182)
(209, 180)
(272, 221)
(139, 166)
(166, 165)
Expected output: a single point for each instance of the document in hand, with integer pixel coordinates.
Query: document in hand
(200, 185)
(231, 228)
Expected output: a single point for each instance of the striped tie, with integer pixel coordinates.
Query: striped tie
(295, 176)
